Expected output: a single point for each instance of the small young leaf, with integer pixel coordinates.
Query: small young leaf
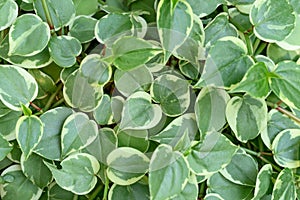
(5, 147)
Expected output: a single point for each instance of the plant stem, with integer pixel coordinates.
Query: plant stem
(106, 186)
(95, 192)
(47, 13)
(202, 190)
(284, 111)
(249, 44)
(52, 97)
(256, 43)
(62, 100)
(260, 48)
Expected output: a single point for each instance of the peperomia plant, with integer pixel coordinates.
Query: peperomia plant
(150, 99)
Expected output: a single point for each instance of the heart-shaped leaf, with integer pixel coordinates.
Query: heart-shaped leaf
(8, 13)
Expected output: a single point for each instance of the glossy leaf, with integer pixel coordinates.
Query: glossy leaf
(78, 93)
(17, 185)
(137, 139)
(33, 167)
(85, 7)
(172, 34)
(285, 84)
(246, 116)
(132, 52)
(9, 12)
(286, 150)
(284, 187)
(166, 168)
(136, 165)
(228, 69)
(136, 191)
(77, 174)
(17, 87)
(50, 144)
(103, 113)
(82, 28)
(267, 27)
(255, 81)
(211, 154)
(77, 132)
(210, 109)
(64, 49)
(29, 132)
(23, 34)
(263, 181)
(172, 93)
(203, 8)
(139, 113)
(95, 70)
(61, 12)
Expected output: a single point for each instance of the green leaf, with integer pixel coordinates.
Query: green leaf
(23, 36)
(126, 165)
(35, 170)
(50, 145)
(8, 125)
(241, 170)
(4, 110)
(17, 87)
(277, 122)
(85, 7)
(263, 181)
(122, 25)
(172, 93)
(105, 142)
(190, 191)
(189, 70)
(255, 82)
(219, 27)
(137, 139)
(95, 70)
(17, 185)
(285, 83)
(77, 132)
(139, 113)
(29, 132)
(173, 32)
(278, 54)
(58, 193)
(46, 85)
(5, 147)
(247, 117)
(176, 129)
(213, 196)
(203, 8)
(284, 187)
(83, 27)
(292, 42)
(211, 154)
(267, 25)
(227, 189)
(103, 113)
(61, 12)
(8, 13)
(168, 173)
(228, 69)
(136, 191)
(128, 82)
(39, 60)
(210, 109)
(240, 20)
(64, 49)
(77, 174)
(131, 52)
(78, 93)
(286, 148)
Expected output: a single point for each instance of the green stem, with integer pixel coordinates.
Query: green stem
(260, 48)
(249, 44)
(284, 111)
(52, 97)
(47, 13)
(267, 161)
(106, 186)
(251, 152)
(225, 8)
(95, 192)
(62, 100)
(202, 190)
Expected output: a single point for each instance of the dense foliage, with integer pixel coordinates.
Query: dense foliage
(150, 99)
